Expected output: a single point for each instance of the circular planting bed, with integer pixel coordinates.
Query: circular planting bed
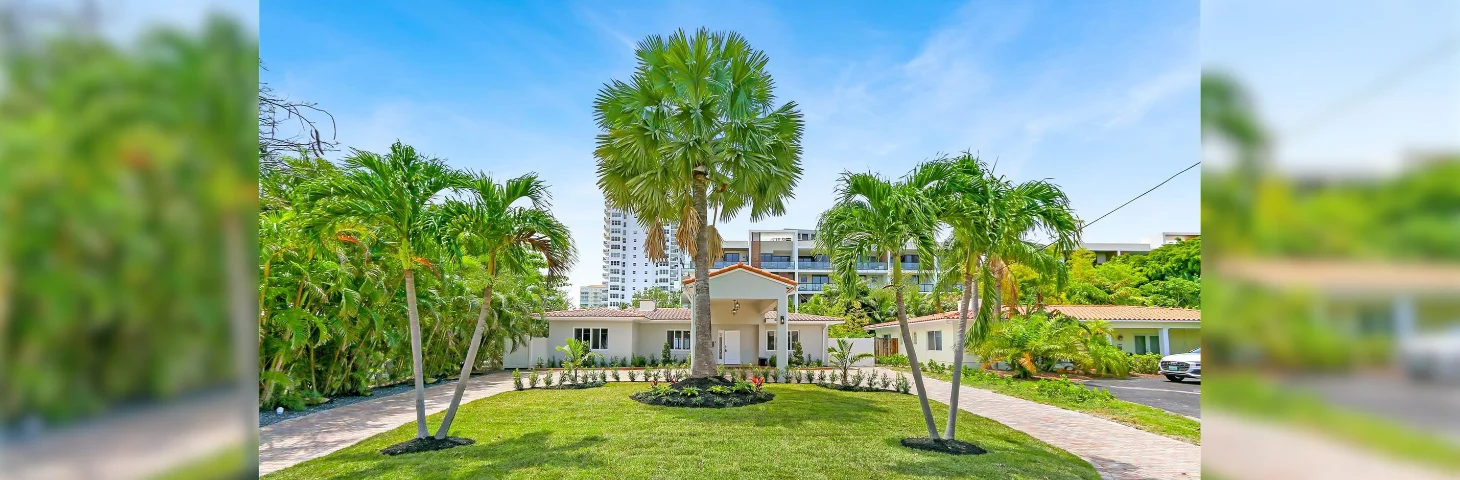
(713, 392)
(416, 445)
(953, 447)
(575, 386)
(858, 388)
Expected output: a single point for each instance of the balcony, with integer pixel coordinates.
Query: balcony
(723, 263)
(910, 266)
(872, 266)
(810, 287)
(777, 265)
(925, 287)
(815, 265)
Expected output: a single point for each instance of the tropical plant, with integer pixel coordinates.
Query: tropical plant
(990, 219)
(516, 379)
(696, 128)
(502, 236)
(843, 357)
(532, 379)
(878, 218)
(575, 351)
(394, 192)
(1034, 343)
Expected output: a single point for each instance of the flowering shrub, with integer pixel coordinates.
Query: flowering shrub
(757, 381)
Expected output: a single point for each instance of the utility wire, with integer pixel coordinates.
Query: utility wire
(1138, 197)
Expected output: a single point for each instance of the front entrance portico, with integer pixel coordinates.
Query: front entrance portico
(740, 298)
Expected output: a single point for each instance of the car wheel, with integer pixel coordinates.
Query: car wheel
(1173, 378)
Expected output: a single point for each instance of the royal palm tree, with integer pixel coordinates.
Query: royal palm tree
(394, 191)
(696, 127)
(878, 218)
(989, 219)
(502, 237)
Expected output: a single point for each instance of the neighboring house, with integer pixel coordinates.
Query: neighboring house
(1105, 252)
(1137, 330)
(593, 296)
(748, 312)
(1168, 238)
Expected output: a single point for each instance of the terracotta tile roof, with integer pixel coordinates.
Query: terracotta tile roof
(743, 266)
(1088, 312)
(670, 314)
(1337, 275)
(597, 312)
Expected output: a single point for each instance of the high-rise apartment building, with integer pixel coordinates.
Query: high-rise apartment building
(791, 253)
(593, 296)
(626, 268)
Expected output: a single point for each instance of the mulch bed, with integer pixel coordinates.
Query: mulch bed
(572, 386)
(952, 447)
(849, 388)
(705, 399)
(417, 445)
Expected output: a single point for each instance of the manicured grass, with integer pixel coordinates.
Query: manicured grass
(1143, 417)
(1251, 395)
(806, 432)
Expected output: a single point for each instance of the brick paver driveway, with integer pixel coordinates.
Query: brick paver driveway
(293, 441)
(1116, 451)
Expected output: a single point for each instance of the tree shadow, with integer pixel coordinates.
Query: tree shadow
(501, 458)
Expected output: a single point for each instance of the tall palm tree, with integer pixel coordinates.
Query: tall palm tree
(502, 236)
(989, 219)
(696, 127)
(394, 191)
(878, 218)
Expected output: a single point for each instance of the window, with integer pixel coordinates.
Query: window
(679, 339)
(771, 339)
(935, 340)
(596, 338)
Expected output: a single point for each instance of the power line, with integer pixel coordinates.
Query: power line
(1138, 197)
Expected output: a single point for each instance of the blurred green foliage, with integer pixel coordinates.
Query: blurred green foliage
(1169, 276)
(127, 175)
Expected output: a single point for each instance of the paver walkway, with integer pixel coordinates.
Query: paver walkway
(293, 441)
(1117, 451)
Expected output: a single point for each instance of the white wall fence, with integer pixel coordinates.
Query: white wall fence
(859, 345)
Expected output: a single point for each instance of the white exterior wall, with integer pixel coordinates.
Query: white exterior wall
(620, 337)
(652, 335)
(813, 341)
(920, 333)
(624, 244)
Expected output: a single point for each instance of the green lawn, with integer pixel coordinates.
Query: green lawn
(806, 432)
(1143, 417)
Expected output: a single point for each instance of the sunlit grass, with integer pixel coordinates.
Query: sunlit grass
(806, 432)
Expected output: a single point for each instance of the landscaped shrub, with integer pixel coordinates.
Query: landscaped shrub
(821, 377)
(548, 379)
(563, 377)
(615, 374)
(1066, 390)
(902, 385)
(1145, 363)
(664, 352)
(703, 393)
(894, 360)
(516, 379)
(798, 357)
(633, 375)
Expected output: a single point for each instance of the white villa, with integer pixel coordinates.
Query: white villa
(748, 312)
(1137, 330)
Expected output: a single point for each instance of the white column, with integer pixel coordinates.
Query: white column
(1404, 317)
(1165, 341)
(782, 339)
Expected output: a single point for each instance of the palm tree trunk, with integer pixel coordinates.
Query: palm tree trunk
(912, 355)
(703, 365)
(471, 357)
(416, 354)
(952, 428)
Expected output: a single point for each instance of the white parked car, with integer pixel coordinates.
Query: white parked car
(1182, 366)
(1432, 357)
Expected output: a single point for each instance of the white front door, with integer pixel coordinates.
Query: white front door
(730, 347)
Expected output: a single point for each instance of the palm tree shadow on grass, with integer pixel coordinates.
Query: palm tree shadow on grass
(532, 450)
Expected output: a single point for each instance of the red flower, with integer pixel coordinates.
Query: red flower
(757, 381)
(655, 384)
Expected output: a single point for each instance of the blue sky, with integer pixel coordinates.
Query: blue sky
(1100, 97)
